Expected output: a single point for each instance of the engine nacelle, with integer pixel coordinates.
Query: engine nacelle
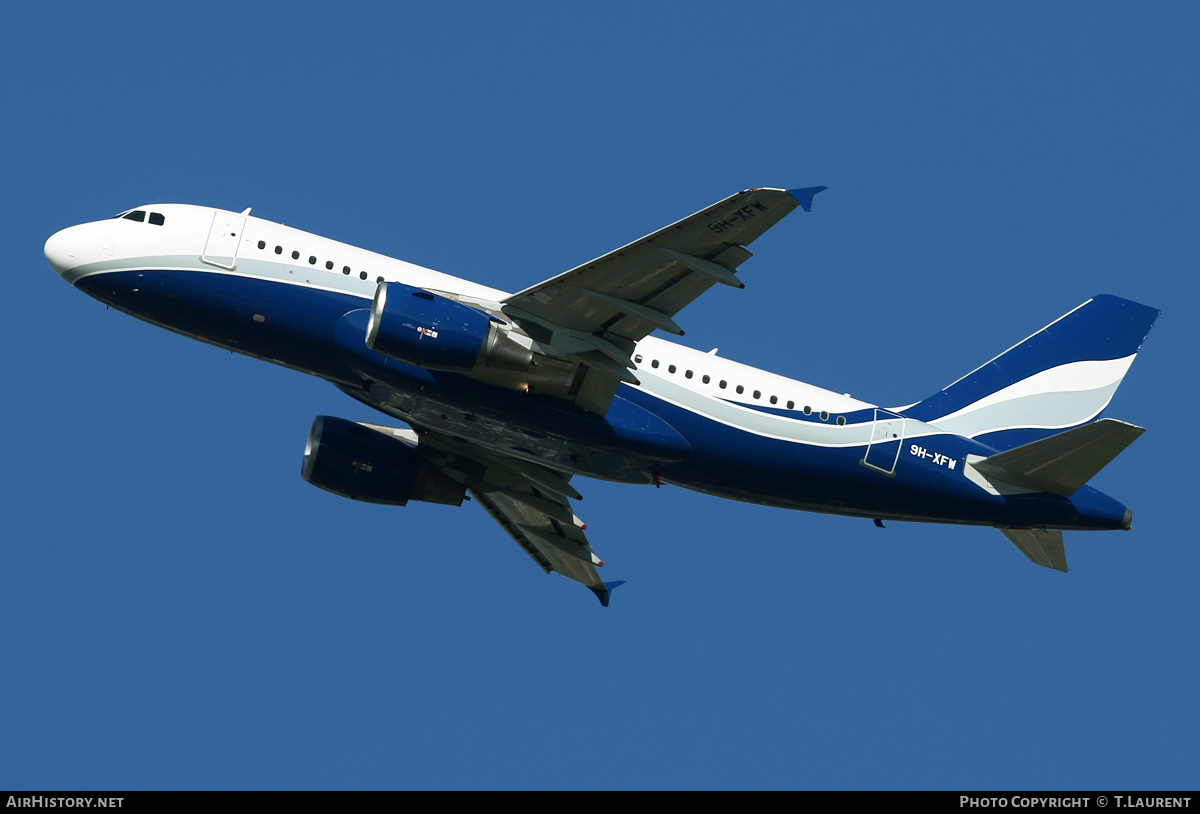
(360, 463)
(423, 329)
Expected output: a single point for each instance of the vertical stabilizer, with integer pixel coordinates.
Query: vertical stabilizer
(1060, 377)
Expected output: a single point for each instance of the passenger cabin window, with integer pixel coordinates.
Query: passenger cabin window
(295, 255)
(262, 244)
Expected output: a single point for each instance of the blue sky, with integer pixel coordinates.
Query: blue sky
(178, 609)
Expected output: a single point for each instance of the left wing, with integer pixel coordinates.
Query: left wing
(529, 501)
(598, 311)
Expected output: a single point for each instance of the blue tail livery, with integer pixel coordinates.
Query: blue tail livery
(511, 398)
(1061, 377)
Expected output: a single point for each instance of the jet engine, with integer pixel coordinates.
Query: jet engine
(423, 329)
(364, 464)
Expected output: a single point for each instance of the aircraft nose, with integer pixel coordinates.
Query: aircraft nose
(61, 252)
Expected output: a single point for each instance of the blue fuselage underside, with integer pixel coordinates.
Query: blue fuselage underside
(322, 332)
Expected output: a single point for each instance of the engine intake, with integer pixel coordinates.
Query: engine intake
(360, 463)
(423, 329)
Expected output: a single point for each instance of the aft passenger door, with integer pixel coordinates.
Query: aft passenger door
(223, 240)
(886, 439)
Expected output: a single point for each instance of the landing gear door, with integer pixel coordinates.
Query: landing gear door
(223, 240)
(886, 439)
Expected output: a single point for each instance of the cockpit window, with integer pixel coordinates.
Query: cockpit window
(138, 214)
(157, 219)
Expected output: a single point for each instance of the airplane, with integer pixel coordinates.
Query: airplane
(507, 397)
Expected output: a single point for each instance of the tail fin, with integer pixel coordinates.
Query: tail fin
(1061, 377)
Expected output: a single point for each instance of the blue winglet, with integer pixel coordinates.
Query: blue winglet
(805, 196)
(604, 592)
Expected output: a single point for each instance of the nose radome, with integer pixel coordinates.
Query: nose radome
(60, 252)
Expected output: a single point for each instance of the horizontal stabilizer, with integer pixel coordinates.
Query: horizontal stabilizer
(1062, 463)
(1041, 547)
